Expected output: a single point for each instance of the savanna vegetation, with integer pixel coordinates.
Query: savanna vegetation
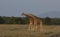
(24, 20)
(14, 30)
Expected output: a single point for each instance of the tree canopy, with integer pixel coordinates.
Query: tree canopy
(24, 20)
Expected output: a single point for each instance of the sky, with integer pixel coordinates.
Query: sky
(36, 7)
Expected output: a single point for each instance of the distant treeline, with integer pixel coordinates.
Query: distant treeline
(24, 20)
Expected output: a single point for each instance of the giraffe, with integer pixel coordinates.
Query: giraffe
(30, 21)
(36, 22)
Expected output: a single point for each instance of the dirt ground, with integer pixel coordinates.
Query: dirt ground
(15, 30)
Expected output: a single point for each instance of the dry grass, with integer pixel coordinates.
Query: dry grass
(21, 31)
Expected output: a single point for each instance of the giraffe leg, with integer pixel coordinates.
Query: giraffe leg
(29, 27)
(32, 27)
(30, 24)
(41, 27)
(36, 27)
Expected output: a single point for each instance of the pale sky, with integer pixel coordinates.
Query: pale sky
(37, 7)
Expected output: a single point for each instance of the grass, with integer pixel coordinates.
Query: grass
(21, 31)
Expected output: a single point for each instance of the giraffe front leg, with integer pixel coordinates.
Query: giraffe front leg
(29, 27)
(36, 27)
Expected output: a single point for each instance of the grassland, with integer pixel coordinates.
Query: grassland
(21, 31)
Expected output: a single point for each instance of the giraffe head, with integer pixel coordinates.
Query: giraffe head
(23, 13)
(26, 14)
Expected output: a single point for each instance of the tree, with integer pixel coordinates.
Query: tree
(1, 20)
(24, 20)
(47, 21)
